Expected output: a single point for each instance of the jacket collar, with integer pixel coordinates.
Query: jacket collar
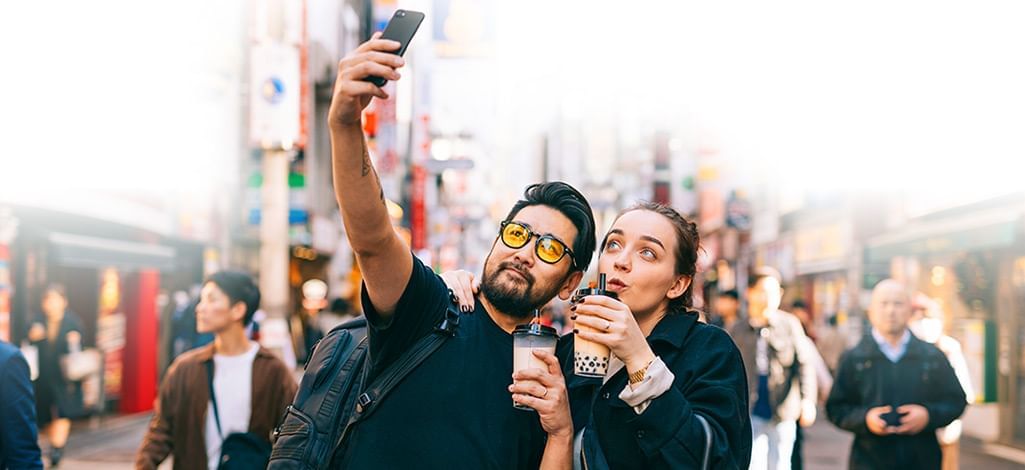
(673, 329)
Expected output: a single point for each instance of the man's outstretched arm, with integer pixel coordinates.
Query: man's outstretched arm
(385, 261)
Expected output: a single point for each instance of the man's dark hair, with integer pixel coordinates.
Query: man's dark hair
(239, 287)
(567, 200)
(56, 288)
(732, 293)
(762, 273)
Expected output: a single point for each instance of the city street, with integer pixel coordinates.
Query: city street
(836, 188)
(113, 445)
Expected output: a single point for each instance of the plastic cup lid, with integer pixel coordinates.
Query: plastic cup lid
(595, 291)
(535, 329)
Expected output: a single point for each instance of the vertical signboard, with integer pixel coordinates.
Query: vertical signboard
(5, 293)
(110, 332)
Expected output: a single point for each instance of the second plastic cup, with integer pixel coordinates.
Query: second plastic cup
(527, 339)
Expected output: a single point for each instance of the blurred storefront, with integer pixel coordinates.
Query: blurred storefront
(823, 267)
(116, 275)
(971, 260)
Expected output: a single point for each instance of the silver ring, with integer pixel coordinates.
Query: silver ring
(546, 392)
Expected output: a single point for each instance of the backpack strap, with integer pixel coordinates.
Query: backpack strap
(213, 396)
(376, 391)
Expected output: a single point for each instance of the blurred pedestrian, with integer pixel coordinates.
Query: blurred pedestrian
(251, 387)
(927, 325)
(800, 310)
(823, 378)
(894, 390)
(727, 309)
(56, 334)
(19, 448)
(311, 333)
(339, 311)
(832, 342)
(183, 323)
(780, 372)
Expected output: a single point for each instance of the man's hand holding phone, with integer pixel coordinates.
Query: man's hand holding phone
(876, 422)
(353, 92)
(363, 73)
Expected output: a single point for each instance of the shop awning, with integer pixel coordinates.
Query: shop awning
(971, 232)
(93, 252)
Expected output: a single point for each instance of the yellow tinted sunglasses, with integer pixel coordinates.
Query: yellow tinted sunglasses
(548, 248)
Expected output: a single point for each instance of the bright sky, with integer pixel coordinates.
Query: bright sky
(868, 94)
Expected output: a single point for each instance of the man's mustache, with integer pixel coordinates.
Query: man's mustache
(519, 268)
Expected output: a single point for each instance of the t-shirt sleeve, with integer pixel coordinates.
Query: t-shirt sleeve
(419, 309)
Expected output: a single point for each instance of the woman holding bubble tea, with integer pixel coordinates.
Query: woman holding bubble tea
(673, 393)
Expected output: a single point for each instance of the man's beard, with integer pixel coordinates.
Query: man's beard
(508, 298)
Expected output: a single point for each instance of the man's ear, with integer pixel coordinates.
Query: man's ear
(571, 283)
(238, 311)
(679, 287)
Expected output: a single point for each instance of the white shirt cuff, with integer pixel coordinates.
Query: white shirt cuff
(657, 379)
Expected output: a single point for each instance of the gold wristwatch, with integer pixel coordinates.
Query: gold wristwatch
(638, 376)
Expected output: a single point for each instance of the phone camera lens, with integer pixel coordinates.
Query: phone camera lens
(400, 13)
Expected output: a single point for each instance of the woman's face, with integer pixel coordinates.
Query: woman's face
(54, 304)
(639, 263)
(215, 311)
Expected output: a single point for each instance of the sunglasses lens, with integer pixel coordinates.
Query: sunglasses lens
(515, 235)
(550, 250)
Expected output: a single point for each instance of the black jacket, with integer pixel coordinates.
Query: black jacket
(867, 379)
(51, 386)
(709, 379)
(18, 448)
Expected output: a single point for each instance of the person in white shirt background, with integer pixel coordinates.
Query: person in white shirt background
(252, 387)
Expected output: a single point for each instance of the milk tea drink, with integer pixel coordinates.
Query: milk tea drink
(527, 339)
(590, 359)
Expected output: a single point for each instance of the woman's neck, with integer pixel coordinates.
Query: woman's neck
(231, 342)
(647, 321)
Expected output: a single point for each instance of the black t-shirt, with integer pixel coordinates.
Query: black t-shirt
(454, 410)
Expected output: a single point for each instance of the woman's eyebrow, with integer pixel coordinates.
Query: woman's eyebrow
(649, 238)
(653, 240)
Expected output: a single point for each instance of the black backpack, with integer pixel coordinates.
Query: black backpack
(334, 395)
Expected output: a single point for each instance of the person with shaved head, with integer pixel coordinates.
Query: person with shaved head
(894, 390)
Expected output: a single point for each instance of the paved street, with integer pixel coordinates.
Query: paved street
(113, 447)
(106, 445)
(827, 448)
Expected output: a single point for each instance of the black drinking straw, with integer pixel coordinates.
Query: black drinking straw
(601, 282)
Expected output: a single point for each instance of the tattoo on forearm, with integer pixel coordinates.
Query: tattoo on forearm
(367, 165)
(368, 168)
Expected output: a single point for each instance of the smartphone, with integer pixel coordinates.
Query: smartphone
(892, 418)
(401, 27)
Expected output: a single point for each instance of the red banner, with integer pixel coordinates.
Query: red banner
(418, 217)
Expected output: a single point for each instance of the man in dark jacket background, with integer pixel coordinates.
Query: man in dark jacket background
(894, 390)
(18, 435)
